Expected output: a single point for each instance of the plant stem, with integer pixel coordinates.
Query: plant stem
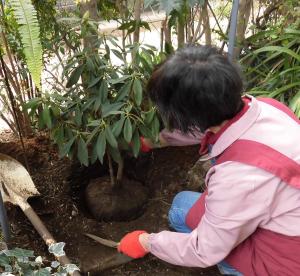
(122, 13)
(162, 36)
(224, 42)
(14, 75)
(206, 24)
(216, 19)
(180, 32)
(137, 18)
(120, 171)
(13, 105)
(167, 33)
(111, 171)
(198, 28)
(10, 124)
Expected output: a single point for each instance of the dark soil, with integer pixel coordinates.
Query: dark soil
(61, 206)
(122, 203)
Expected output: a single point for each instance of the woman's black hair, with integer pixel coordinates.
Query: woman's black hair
(196, 88)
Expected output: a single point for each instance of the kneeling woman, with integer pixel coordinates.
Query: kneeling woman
(248, 219)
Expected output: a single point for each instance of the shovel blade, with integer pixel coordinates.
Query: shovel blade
(15, 180)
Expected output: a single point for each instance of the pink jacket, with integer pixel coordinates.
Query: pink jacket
(241, 198)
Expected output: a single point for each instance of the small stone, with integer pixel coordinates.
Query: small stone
(74, 213)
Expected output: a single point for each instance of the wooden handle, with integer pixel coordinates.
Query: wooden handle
(43, 231)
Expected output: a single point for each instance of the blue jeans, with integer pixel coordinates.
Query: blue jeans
(182, 203)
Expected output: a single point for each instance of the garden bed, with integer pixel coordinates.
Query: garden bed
(61, 206)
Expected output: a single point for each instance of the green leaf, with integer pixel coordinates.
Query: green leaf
(82, 152)
(41, 272)
(115, 154)
(149, 116)
(93, 133)
(4, 261)
(57, 249)
(110, 137)
(124, 91)
(103, 91)
(119, 80)
(101, 146)
(41, 122)
(278, 49)
(136, 144)
(114, 41)
(55, 110)
(71, 268)
(117, 127)
(65, 149)
(33, 103)
(94, 123)
(94, 82)
(94, 155)
(138, 91)
(18, 253)
(155, 128)
(146, 132)
(173, 19)
(88, 103)
(58, 135)
(75, 75)
(283, 89)
(78, 116)
(295, 103)
(118, 54)
(29, 30)
(90, 65)
(127, 130)
(126, 25)
(97, 104)
(47, 117)
(147, 65)
(109, 109)
(62, 50)
(144, 24)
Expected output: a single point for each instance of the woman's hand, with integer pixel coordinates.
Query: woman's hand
(135, 244)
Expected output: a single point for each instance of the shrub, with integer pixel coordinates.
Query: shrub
(272, 64)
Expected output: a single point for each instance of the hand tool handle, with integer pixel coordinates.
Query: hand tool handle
(43, 231)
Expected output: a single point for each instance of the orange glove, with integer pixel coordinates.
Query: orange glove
(130, 245)
(144, 146)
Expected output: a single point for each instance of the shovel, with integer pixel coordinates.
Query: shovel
(16, 187)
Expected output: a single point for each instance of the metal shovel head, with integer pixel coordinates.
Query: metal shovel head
(15, 182)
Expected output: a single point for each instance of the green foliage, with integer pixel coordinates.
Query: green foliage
(10, 25)
(272, 64)
(172, 5)
(46, 15)
(20, 261)
(108, 9)
(105, 109)
(29, 30)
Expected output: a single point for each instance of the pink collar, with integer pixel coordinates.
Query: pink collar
(233, 130)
